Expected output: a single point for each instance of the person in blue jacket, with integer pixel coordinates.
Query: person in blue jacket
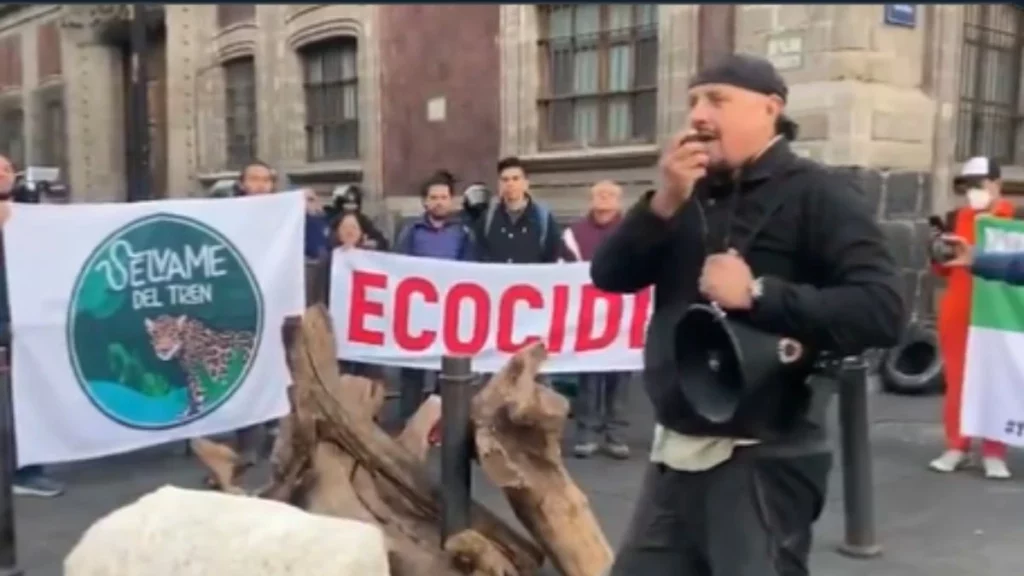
(1005, 267)
(441, 234)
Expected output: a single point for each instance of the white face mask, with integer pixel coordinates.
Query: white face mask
(979, 198)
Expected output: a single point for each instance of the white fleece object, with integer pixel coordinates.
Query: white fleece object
(178, 532)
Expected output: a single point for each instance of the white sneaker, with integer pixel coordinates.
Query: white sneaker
(995, 469)
(950, 461)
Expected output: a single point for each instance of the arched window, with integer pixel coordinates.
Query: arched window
(331, 86)
(599, 74)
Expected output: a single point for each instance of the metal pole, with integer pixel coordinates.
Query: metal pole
(456, 444)
(858, 479)
(139, 177)
(8, 542)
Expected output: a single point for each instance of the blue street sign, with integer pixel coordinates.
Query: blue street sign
(901, 15)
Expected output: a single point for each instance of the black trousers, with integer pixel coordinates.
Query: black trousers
(749, 516)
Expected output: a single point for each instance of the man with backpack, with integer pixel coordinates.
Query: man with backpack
(515, 228)
(439, 233)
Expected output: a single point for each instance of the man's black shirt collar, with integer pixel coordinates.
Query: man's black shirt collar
(777, 157)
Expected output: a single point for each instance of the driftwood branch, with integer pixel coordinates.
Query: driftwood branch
(332, 458)
(519, 425)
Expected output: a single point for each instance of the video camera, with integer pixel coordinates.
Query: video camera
(36, 183)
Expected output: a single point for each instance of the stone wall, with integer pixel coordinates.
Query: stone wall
(902, 203)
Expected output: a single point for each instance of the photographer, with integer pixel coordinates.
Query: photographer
(785, 247)
(981, 182)
(30, 480)
(996, 266)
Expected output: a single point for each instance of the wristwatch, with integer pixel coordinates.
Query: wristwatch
(5, 196)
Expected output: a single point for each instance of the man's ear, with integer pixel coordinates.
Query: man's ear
(774, 106)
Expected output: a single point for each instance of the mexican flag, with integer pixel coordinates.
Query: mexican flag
(993, 394)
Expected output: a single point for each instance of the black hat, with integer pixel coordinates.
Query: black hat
(744, 71)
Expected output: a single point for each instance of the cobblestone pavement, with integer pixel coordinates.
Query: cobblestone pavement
(929, 525)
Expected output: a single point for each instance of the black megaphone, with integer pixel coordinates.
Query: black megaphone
(721, 362)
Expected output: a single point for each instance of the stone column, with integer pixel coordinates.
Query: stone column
(184, 24)
(94, 100)
(857, 88)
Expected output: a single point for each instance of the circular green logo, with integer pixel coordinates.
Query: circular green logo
(165, 322)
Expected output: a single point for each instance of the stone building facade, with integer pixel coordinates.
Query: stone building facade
(384, 94)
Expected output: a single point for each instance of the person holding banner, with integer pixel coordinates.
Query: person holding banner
(785, 248)
(30, 480)
(980, 180)
(598, 406)
(437, 234)
(515, 228)
(348, 233)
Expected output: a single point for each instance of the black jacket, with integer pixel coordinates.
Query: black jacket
(829, 279)
(532, 238)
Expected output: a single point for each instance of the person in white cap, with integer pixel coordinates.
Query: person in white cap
(980, 180)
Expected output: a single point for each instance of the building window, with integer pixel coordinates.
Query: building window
(991, 113)
(332, 100)
(240, 116)
(599, 74)
(52, 133)
(230, 14)
(12, 136)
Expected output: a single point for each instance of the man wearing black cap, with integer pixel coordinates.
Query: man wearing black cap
(784, 246)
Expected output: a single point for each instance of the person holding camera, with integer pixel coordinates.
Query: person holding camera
(980, 180)
(29, 480)
(785, 248)
(1005, 267)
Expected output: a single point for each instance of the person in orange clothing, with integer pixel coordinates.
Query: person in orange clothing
(980, 179)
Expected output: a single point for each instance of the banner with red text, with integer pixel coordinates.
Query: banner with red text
(396, 310)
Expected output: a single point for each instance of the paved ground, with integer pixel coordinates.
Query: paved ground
(930, 525)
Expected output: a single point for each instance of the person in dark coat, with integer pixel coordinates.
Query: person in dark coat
(598, 406)
(347, 233)
(515, 228)
(739, 498)
(28, 480)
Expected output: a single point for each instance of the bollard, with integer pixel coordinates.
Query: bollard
(8, 542)
(456, 383)
(855, 445)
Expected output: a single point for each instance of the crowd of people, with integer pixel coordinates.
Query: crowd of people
(739, 223)
(511, 227)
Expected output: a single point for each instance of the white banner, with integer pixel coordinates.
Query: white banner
(139, 324)
(402, 311)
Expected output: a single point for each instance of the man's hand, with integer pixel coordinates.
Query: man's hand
(727, 280)
(683, 163)
(964, 252)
